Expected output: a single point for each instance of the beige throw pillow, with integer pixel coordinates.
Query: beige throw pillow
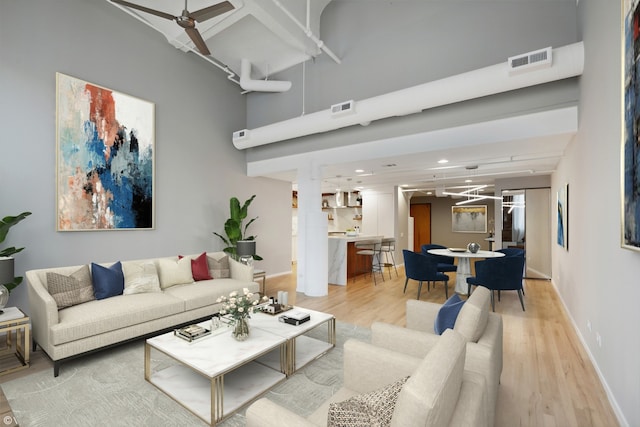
(71, 290)
(174, 272)
(140, 277)
(219, 269)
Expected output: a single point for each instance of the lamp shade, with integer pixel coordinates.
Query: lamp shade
(6, 270)
(246, 247)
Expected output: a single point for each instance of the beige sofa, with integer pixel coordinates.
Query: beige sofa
(481, 329)
(88, 326)
(439, 391)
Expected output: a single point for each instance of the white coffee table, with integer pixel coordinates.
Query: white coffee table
(216, 375)
(300, 349)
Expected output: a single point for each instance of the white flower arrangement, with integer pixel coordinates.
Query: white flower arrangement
(239, 306)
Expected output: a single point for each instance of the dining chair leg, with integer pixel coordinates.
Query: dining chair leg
(498, 295)
(468, 290)
(521, 301)
(419, 288)
(405, 286)
(493, 302)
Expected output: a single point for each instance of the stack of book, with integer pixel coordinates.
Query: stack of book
(192, 332)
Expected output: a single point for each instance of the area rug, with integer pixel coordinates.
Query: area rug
(108, 389)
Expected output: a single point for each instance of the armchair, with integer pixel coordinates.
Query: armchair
(482, 330)
(439, 391)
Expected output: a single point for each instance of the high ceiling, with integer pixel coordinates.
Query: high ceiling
(276, 35)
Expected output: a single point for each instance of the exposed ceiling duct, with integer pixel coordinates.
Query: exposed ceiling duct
(247, 83)
(568, 61)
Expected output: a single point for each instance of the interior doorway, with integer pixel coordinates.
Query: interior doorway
(421, 214)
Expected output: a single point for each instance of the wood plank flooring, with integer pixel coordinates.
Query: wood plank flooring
(547, 379)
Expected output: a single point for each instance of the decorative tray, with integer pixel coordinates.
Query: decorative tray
(282, 309)
(458, 249)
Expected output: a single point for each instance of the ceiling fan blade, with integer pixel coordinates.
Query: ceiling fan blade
(211, 11)
(144, 9)
(196, 38)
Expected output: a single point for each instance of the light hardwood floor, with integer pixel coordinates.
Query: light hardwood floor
(547, 379)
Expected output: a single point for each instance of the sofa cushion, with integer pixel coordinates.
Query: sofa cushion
(219, 267)
(107, 281)
(368, 409)
(200, 267)
(206, 292)
(71, 290)
(120, 312)
(140, 277)
(429, 397)
(174, 271)
(473, 316)
(448, 314)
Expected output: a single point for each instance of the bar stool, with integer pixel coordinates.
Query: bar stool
(370, 248)
(388, 247)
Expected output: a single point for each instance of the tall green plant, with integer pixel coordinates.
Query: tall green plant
(234, 227)
(6, 223)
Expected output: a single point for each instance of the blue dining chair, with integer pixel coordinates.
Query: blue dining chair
(515, 252)
(445, 263)
(499, 274)
(422, 268)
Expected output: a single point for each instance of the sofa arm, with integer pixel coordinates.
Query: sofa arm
(368, 368)
(43, 309)
(421, 315)
(240, 271)
(265, 413)
(408, 341)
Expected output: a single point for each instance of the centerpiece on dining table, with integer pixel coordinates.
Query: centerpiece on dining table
(238, 308)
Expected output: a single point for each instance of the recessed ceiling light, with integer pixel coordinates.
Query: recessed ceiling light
(404, 185)
(443, 161)
(429, 193)
(359, 170)
(468, 180)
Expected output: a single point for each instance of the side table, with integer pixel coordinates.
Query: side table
(15, 325)
(261, 274)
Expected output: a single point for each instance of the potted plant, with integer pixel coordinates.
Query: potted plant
(7, 278)
(235, 229)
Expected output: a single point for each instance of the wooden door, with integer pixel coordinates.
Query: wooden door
(421, 214)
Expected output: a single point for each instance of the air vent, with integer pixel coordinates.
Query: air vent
(240, 134)
(530, 61)
(343, 108)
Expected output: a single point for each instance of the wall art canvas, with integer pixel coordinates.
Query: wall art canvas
(105, 158)
(631, 127)
(562, 233)
(469, 219)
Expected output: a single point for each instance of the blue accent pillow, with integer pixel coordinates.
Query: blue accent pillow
(107, 281)
(447, 315)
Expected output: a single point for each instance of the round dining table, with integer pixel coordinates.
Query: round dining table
(464, 264)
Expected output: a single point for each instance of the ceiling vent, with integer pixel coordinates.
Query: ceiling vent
(343, 108)
(530, 61)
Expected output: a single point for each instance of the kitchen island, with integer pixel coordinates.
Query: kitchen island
(342, 257)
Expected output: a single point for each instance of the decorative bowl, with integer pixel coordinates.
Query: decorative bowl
(473, 247)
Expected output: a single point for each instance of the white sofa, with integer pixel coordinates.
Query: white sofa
(439, 391)
(88, 326)
(482, 330)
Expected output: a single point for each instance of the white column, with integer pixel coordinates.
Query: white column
(313, 230)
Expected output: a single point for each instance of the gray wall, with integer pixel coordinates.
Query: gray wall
(197, 109)
(596, 278)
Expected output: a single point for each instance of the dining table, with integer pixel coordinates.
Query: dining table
(464, 263)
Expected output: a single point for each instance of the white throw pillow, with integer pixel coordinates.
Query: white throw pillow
(140, 277)
(174, 271)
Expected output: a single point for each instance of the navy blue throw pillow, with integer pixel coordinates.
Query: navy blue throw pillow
(448, 314)
(107, 281)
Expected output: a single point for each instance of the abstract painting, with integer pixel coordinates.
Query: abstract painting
(562, 233)
(631, 127)
(105, 158)
(469, 219)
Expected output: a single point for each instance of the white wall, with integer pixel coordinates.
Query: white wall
(596, 278)
(197, 109)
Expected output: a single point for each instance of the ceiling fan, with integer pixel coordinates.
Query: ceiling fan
(188, 19)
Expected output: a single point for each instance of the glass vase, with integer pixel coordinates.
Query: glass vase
(241, 329)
